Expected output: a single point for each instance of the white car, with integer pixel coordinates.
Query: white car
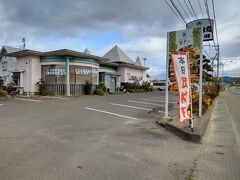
(160, 86)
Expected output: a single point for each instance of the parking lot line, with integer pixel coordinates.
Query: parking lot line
(32, 100)
(152, 100)
(157, 100)
(141, 102)
(1, 104)
(49, 97)
(134, 107)
(160, 98)
(106, 112)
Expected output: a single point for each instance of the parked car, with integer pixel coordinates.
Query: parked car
(160, 86)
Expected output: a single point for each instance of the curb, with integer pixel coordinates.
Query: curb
(183, 134)
(191, 136)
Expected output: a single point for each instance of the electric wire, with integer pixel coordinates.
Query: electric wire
(192, 9)
(180, 14)
(215, 22)
(189, 9)
(184, 10)
(174, 12)
(200, 8)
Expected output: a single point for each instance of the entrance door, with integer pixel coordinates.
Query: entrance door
(112, 84)
(16, 78)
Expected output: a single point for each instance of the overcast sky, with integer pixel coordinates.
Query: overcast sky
(139, 27)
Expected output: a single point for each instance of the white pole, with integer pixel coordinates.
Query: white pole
(200, 78)
(167, 79)
(67, 77)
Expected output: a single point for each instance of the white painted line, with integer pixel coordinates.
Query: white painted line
(21, 99)
(161, 111)
(160, 98)
(156, 100)
(106, 112)
(50, 97)
(152, 100)
(141, 102)
(1, 104)
(134, 107)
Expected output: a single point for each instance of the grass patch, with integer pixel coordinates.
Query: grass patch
(192, 172)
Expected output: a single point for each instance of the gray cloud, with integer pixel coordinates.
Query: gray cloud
(72, 17)
(135, 19)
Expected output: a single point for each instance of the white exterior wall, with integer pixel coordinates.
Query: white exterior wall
(121, 71)
(30, 69)
(35, 72)
(127, 72)
(10, 64)
(108, 70)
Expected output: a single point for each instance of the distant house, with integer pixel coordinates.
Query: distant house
(7, 64)
(130, 72)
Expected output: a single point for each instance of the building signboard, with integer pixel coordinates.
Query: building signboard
(83, 71)
(56, 72)
(207, 26)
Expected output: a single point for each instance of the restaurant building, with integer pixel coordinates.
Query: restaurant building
(68, 72)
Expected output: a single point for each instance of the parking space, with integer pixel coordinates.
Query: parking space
(109, 136)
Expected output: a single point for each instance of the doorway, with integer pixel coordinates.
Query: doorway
(112, 84)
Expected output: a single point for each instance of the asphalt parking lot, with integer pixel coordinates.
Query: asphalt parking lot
(90, 137)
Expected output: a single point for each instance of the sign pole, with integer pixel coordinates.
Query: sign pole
(200, 78)
(67, 77)
(167, 78)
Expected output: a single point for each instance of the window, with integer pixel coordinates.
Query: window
(4, 66)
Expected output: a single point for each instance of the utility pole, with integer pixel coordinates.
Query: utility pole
(144, 59)
(218, 60)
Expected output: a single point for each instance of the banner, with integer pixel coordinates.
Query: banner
(181, 68)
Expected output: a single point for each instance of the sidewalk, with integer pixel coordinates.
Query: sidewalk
(220, 153)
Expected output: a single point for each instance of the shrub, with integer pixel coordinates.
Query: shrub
(102, 86)
(131, 91)
(41, 88)
(99, 92)
(3, 92)
(147, 86)
(88, 88)
(140, 90)
(129, 86)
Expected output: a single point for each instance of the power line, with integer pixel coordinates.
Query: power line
(178, 11)
(206, 52)
(207, 10)
(193, 9)
(174, 12)
(184, 10)
(200, 8)
(208, 15)
(215, 23)
(189, 9)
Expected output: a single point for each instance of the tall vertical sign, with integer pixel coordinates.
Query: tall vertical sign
(181, 68)
(184, 41)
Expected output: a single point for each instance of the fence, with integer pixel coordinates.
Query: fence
(60, 89)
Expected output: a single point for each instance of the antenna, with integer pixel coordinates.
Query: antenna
(23, 43)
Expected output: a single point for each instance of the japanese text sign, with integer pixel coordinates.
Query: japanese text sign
(182, 76)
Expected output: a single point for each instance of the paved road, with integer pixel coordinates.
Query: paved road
(220, 158)
(90, 137)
